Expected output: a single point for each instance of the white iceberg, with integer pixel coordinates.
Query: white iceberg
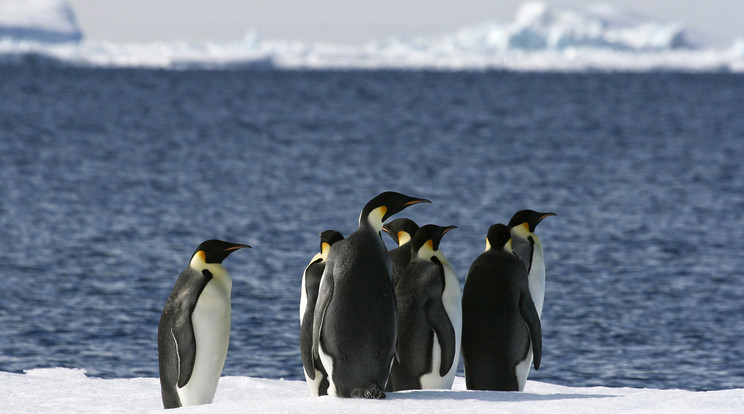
(45, 21)
(541, 26)
(541, 37)
(61, 390)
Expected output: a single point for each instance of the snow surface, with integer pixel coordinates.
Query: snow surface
(62, 390)
(541, 37)
(39, 21)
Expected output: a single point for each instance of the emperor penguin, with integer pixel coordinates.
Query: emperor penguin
(354, 326)
(401, 231)
(527, 246)
(315, 375)
(500, 326)
(194, 328)
(429, 304)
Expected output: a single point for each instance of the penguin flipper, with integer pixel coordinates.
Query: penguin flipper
(306, 344)
(529, 314)
(306, 323)
(438, 319)
(182, 331)
(325, 293)
(168, 359)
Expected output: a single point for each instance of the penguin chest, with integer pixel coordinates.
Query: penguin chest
(211, 323)
(536, 278)
(303, 297)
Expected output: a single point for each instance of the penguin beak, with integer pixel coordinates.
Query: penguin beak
(539, 219)
(435, 245)
(237, 247)
(416, 201)
(545, 215)
(448, 228)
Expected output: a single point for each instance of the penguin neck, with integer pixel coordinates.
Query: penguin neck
(425, 252)
(508, 246)
(522, 231)
(438, 254)
(373, 219)
(219, 273)
(318, 257)
(324, 249)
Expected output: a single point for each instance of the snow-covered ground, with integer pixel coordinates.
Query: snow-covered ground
(541, 36)
(62, 390)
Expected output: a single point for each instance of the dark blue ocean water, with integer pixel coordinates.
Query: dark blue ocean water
(110, 178)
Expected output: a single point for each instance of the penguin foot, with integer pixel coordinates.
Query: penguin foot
(374, 392)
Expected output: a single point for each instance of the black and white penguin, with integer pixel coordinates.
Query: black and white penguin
(527, 246)
(501, 329)
(401, 231)
(354, 327)
(194, 328)
(315, 375)
(429, 317)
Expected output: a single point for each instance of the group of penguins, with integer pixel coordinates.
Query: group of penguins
(373, 320)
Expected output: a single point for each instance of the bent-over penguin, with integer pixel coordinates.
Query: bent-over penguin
(194, 328)
(429, 317)
(501, 329)
(401, 231)
(354, 329)
(315, 375)
(527, 246)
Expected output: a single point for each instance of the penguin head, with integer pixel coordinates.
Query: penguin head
(401, 230)
(215, 251)
(498, 236)
(528, 218)
(327, 238)
(426, 241)
(385, 205)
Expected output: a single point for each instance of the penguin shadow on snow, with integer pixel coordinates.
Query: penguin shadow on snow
(494, 396)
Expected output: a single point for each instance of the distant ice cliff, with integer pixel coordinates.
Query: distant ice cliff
(44, 21)
(541, 26)
(541, 37)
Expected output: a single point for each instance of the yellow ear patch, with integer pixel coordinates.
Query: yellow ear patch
(325, 247)
(403, 237)
(430, 243)
(201, 255)
(488, 244)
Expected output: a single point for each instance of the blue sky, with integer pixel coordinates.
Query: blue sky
(352, 21)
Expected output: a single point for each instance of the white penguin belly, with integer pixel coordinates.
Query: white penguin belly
(452, 301)
(536, 278)
(211, 323)
(314, 384)
(432, 380)
(303, 300)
